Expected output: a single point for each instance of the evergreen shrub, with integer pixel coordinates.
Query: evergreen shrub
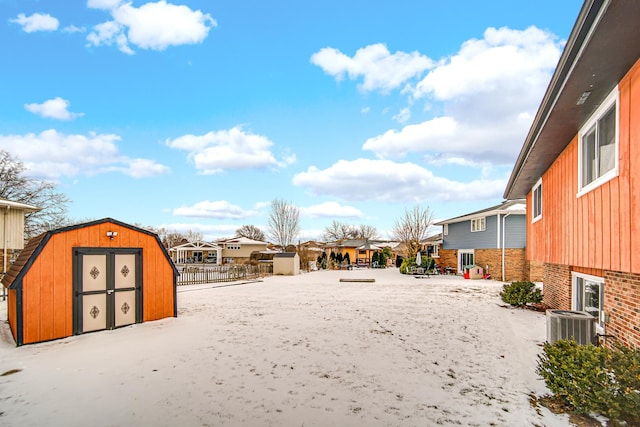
(592, 379)
(520, 294)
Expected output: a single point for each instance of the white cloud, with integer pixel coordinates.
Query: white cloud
(380, 69)
(503, 59)
(219, 209)
(109, 33)
(403, 115)
(384, 180)
(56, 108)
(52, 154)
(230, 149)
(138, 168)
(330, 210)
(36, 22)
(73, 29)
(104, 4)
(489, 92)
(153, 26)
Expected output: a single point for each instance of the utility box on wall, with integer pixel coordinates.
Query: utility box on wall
(88, 277)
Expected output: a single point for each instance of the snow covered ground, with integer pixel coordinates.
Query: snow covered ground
(307, 350)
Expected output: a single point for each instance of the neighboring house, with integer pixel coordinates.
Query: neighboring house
(196, 252)
(238, 249)
(493, 237)
(579, 169)
(309, 252)
(360, 250)
(12, 229)
(431, 247)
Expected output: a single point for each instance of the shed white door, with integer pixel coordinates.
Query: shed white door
(94, 292)
(107, 290)
(125, 294)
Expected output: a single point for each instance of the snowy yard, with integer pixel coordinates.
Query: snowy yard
(293, 351)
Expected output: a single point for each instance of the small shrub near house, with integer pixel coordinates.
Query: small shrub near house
(520, 294)
(591, 379)
(409, 263)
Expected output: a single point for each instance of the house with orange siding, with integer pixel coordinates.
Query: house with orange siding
(579, 169)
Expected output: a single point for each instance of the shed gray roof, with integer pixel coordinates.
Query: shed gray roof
(285, 255)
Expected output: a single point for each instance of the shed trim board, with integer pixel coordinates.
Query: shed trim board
(111, 291)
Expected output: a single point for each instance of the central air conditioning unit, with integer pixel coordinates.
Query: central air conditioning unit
(565, 325)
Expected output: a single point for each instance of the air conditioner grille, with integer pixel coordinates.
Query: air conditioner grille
(565, 325)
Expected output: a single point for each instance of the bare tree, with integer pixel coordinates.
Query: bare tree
(251, 232)
(171, 238)
(339, 231)
(366, 232)
(17, 187)
(413, 227)
(284, 222)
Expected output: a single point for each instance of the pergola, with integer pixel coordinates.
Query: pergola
(181, 252)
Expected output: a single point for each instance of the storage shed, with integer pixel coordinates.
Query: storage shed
(98, 275)
(286, 264)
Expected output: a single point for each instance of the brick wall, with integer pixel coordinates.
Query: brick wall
(447, 257)
(536, 271)
(557, 286)
(516, 265)
(622, 303)
(514, 260)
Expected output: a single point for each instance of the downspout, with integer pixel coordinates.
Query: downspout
(4, 250)
(504, 229)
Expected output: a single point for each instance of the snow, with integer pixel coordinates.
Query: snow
(303, 350)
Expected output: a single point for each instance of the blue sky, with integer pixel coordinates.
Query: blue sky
(195, 114)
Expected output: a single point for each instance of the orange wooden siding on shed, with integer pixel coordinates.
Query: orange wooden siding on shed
(600, 229)
(47, 287)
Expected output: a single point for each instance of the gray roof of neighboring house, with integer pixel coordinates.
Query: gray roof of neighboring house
(436, 238)
(514, 207)
(603, 45)
(4, 203)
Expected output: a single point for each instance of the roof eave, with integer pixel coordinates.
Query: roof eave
(603, 45)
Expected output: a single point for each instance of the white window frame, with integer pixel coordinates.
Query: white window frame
(579, 280)
(436, 251)
(445, 229)
(612, 100)
(478, 224)
(536, 202)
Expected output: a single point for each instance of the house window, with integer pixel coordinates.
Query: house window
(478, 224)
(537, 201)
(588, 295)
(598, 149)
(445, 230)
(234, 247)
(433, 251)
